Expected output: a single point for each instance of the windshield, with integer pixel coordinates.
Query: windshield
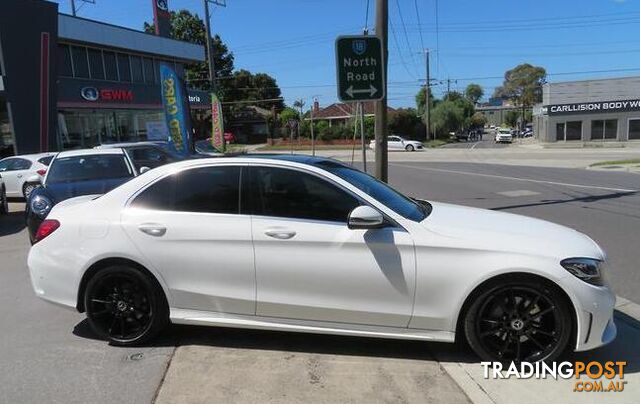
(383, 193)
(205, 146)
(89, 167)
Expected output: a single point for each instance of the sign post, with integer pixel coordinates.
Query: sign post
(360, 68)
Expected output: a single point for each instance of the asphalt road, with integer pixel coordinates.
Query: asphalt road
(48, 355)
(604, 205)
(487, 142)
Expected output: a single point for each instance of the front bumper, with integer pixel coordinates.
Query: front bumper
(594, 307)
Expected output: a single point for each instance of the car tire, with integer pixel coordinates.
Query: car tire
(409, 148)
(28, 188)
(125, 306)
(519, 319)
(4, 202)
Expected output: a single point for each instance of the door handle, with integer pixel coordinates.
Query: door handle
(155, 230)
(280, 234)
(19, 175)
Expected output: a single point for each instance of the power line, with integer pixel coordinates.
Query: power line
(406, 36)
(415, 3)
(395, 40)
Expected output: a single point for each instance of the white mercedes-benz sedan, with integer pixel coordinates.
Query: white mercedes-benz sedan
(307, 244)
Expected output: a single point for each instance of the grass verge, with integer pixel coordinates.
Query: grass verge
(615, 162)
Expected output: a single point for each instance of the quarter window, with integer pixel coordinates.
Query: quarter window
(289, 193)
(204, 190)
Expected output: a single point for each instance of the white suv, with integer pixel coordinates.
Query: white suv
(503, 135)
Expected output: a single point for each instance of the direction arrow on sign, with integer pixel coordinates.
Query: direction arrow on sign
(360, 68)
(371, 90)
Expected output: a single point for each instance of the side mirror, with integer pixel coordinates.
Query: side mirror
(365, 217)
(144, 169)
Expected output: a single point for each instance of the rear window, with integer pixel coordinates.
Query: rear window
(88, 168)
(46, 160)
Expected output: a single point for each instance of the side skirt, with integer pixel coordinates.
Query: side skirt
(196, 317)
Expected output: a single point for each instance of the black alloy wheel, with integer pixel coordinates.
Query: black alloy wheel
(27, 189)
(519, 322)
(409, 148)
(125, 306)
(4, 202)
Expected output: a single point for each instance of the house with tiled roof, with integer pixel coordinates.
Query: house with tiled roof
(341, 113)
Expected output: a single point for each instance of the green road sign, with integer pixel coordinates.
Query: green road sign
(360, 68)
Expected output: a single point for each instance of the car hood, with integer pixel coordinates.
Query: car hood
(61, 191)
(491, 230)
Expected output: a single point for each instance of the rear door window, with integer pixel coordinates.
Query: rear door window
(203, 190)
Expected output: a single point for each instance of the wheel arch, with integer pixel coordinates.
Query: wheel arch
(105, 263)
(468, 301)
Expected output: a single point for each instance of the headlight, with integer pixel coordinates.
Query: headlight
(41, 205)
(587, 269)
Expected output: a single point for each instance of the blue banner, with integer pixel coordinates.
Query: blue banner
(176, 110)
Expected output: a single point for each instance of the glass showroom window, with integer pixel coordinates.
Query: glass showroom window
(634, 129)
(571, 130)
(604, 129)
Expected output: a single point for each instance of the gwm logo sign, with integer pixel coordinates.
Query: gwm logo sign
(105, 94)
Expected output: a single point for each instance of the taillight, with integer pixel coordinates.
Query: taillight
(47, 227)
(41, 172)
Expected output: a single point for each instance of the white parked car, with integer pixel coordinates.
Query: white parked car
(503, 135)
(307, 244)
(22, 174)
(400, 143)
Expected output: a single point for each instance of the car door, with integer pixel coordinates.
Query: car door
(311, 266)
(14, 171)
(189, 227)
(394, 143)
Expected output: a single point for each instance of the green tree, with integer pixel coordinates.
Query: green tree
(190, 28)
(523, 86)
(245, 86)
(473, 92)
(404, 121)
(511, 118)
(478, 120)
(446, 117)
(288, 114)
(420, 100)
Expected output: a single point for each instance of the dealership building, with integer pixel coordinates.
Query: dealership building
(603, 110)
(68, 82)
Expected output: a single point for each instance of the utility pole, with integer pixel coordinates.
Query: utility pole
(382, 168)
(207, 24)
(73, 8)
(427, 92)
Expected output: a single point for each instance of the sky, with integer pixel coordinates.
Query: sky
(469, 40)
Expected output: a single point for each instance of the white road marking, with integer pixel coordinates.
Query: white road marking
(474, 145)
(504, 177)
(515, 194)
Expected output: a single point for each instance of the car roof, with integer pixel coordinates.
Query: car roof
(130, 144)
(32, 157)
(89, 152)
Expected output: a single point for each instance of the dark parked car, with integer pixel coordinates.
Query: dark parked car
(76, 173)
